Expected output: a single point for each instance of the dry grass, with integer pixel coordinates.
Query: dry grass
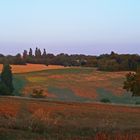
(89, 111)
(71, 120)
(31, 68)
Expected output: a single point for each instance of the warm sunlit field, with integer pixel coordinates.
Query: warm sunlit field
(31, 68)
(78, 116)
(76, 84)
(67, 120)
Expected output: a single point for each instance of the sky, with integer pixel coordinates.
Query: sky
(70, 26)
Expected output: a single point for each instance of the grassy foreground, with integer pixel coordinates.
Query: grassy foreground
(32, 119)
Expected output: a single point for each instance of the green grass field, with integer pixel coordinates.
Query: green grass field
(76, 84)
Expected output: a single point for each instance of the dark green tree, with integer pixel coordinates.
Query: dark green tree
(7, 78)
(3, 89)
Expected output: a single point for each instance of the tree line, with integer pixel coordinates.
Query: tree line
(104, 62)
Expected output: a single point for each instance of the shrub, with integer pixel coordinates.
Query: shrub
(37, 93)
(132, 83)
(105, 100)
(137, 103)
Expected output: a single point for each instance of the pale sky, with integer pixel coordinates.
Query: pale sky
(70, 26)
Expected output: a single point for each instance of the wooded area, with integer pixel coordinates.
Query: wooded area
(105, 62)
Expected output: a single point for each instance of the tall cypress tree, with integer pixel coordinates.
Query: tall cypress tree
(25, 54)
(36, 52)
(39, 53)
(44, 53)
(7, 78)
(30, 52)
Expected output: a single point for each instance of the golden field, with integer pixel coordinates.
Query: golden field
(31, 68)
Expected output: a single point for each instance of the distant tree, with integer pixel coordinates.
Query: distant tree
(39, 53)
(30, 52)
(44, 53)
(112, 53)
(108, 65)
(132, 83)
(25, 54)
(6, 84)
(1, 55)
(50, 56)
(18, 60)
(36, 52)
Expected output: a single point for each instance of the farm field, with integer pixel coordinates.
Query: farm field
(76, 85)
(40, 120)
(72, 108)
(31, 68)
